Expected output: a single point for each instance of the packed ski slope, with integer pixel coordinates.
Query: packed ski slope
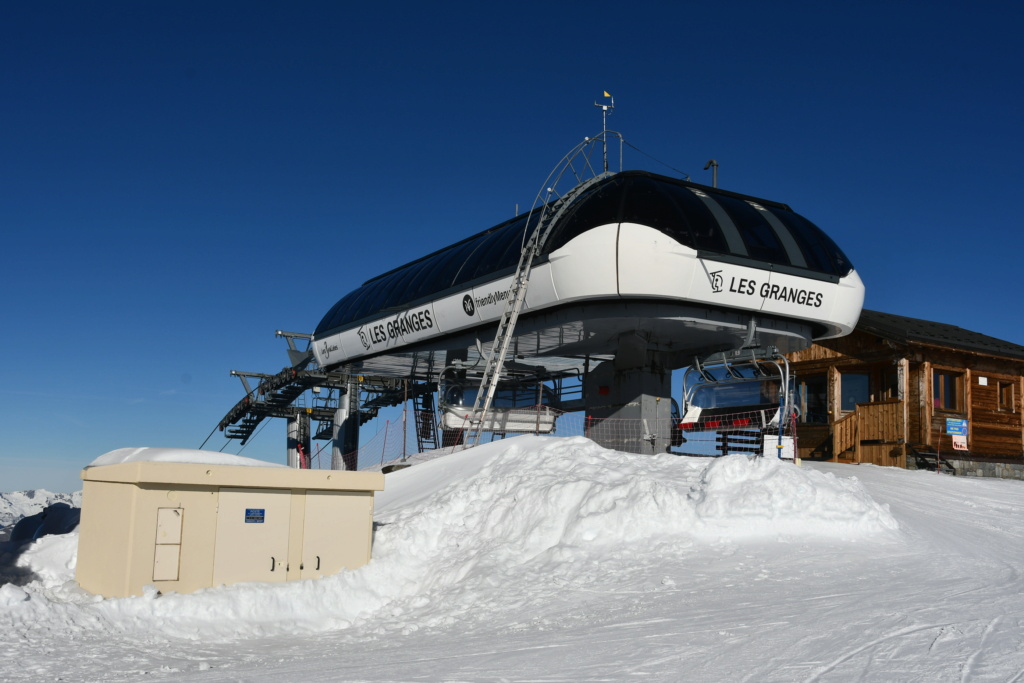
(555, 560)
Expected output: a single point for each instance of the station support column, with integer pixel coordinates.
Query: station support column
(293, 441)
(629, 400)
(345, 446)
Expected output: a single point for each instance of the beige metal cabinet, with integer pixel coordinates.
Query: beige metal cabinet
(184, 526)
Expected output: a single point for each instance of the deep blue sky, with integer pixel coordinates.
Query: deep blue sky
(179, 180)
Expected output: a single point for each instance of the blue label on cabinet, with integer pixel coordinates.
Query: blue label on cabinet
(254, 515)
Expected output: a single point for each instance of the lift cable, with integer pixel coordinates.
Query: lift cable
(686, 176)
(249, 440)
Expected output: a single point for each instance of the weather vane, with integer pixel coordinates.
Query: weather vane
(605, 111)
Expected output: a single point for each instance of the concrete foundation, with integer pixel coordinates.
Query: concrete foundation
(629, 401)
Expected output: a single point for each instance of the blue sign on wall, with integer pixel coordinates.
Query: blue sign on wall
(255, 515)
(955, 426)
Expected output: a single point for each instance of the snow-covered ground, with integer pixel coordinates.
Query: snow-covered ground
(555, 560)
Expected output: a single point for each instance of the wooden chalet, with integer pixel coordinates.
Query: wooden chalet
(885, 392)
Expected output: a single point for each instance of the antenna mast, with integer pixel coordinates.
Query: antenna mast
(713, 165)
(605, 111)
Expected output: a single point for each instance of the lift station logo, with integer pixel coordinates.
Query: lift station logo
(470, 304)
(765, 290)
(327, 349)
(716, 281)
(391, 331)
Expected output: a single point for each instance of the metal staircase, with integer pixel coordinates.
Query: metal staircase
(273, 397)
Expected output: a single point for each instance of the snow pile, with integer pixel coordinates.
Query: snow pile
(479, 532)
(180, 455)
(742, 497)
(532, 495)
(52, 560)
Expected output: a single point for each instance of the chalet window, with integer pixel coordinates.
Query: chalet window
(813, 400)
(855, 387)
(1006, 396)
(947, 389)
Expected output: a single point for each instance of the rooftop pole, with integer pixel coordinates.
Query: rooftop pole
(713, 165)
(605, 111)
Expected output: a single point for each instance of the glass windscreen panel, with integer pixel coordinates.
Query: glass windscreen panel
(705, 232)
(759, 237)
(598, 207)
(494, 252)
(819, 250)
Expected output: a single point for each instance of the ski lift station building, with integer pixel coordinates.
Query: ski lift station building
(636, 274)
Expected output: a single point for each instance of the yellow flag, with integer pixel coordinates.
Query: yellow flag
(606, 94)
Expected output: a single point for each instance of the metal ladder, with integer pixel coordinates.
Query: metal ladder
(426, 422)
(551, 212)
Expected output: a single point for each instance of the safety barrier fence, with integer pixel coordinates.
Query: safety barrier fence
(741, 432)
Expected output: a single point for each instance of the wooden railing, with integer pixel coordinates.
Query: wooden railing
(881, 421)
(873, 432)
(844, 434)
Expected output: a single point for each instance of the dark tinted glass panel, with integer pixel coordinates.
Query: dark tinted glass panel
(759, 237)
(514, 242)
(599, 207)
(327, 322)
(653, 203)
(359, 298)
(422, 283)
(396, 292)
(647, 204)
(448, 268)
(377, 297)
(490, 256)
(821, 252)
(704, 229)
(384, 293)
(476, 257)
(469, 259)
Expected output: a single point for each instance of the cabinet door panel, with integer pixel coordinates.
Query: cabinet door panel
(336, 532)
(252, 536)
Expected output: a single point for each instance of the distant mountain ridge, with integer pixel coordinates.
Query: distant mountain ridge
(18, 504)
